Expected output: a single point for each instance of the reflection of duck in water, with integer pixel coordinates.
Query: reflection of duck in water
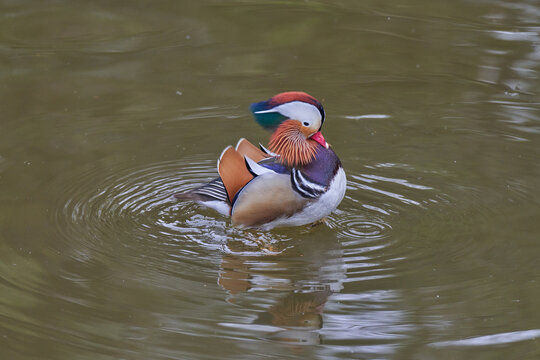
(291, 286)
(299, 317)
(297, 310)
(298, 181)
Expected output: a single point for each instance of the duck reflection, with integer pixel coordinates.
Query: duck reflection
(305, 277)
(234, 275)
(298, 310)
(298, 315)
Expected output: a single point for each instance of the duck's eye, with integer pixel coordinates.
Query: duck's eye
(306, 123)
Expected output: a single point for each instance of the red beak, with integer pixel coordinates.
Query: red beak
(319, 138)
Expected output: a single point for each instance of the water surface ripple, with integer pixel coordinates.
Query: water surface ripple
(139, 202)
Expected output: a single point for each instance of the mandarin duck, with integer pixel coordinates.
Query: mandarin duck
(296, 181)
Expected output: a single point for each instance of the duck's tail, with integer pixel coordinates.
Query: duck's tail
(214, 190)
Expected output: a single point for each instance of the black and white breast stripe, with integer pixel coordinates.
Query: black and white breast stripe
(214, 189)
(305, 187)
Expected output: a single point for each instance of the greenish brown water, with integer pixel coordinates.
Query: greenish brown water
(108, 108)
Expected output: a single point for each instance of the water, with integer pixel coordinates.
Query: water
(110, 108)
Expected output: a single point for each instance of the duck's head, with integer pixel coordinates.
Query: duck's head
(296, 119)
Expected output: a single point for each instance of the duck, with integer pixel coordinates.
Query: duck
(297, 179)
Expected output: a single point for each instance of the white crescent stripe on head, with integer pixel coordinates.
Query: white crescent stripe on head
(296, 110)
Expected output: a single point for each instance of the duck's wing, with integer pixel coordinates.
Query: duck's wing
(267, 197)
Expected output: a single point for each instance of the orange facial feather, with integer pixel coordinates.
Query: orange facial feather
(292, 144)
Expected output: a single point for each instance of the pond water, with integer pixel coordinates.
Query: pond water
(109, 108)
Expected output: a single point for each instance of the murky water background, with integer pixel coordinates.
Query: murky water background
(108, 108)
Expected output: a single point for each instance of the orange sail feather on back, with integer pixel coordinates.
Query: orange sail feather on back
(244, 147)
(233, 172)
(232, 166)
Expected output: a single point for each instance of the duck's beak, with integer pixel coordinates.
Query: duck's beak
(319, 138)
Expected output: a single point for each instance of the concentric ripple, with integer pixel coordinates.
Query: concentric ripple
(139, 203)
(352, 225)
(136, 201)
(365, 220)
(373, 198)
